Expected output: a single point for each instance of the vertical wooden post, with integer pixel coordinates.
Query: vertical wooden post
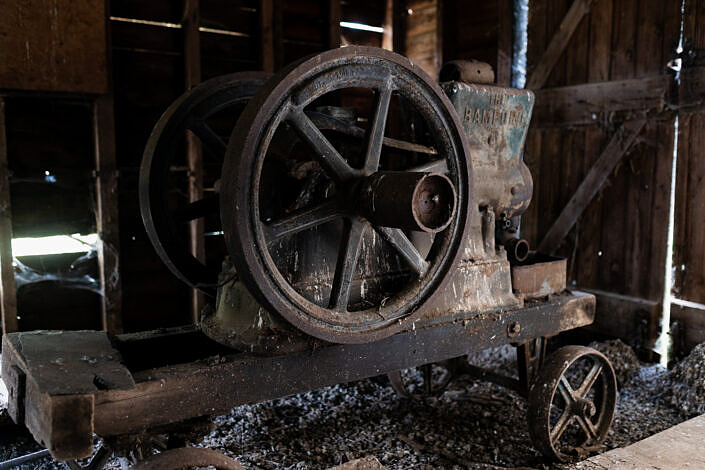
(505, 42)
(399, 26)
(278, 35)
(387, 35)
(194, 155)
(334, 15)
(8, 295)
(107, 213)
(266, 28)
(439, 37)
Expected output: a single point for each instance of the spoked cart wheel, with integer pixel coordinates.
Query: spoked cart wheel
(427, 381)
(359, 209)
(165, 212)
(572, 403)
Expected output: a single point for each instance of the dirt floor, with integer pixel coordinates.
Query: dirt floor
(474, 425)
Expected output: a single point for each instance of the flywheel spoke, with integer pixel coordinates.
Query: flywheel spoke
(374, 142)
(329, 123)
(435, 166)
(589, 380)
(347, 262)
(197, 209)
(208, 136)
(303, 219)
(327, 155)
(405, 248)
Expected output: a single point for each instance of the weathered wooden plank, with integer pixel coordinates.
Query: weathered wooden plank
(266, 34)
(107, 213)
(634, 319)
(422, 39)
(504, 42)
(194, 157)
(682, 446)
(691, 93)
(693, 288)
(600, 50)
(334, 16)
(659, 207)
(559, 41)
(616, 148)
(590, 228)
(692, 327)
(62, 51)
(8, 292)
(592, 103)
(623, 51)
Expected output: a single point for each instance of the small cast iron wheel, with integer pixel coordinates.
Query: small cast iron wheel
(572, 403)
(166, 224)
(188, 457)
(363, 201)
(427, 381)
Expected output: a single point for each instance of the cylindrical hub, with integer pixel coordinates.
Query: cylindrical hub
(408, 200)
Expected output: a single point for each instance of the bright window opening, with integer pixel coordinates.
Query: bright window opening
(362, 27)
(54, 245)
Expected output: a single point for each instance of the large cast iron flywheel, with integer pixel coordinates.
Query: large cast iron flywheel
(351, 234)
(165, 214)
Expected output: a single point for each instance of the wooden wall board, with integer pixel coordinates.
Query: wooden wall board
(471, 31)
(63, 50)
(691, 331)
(8, 294)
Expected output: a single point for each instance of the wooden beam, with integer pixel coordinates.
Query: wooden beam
(691, 328)
(107, 221)
(505, 42)
(591, 103)
(399, 26)
(558, 43)
(192, 77)
(266, 31)
(8, 294)
(605, 164)
(632, 319)
(334, 15)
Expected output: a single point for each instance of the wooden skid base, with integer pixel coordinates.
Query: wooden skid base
(131, 383)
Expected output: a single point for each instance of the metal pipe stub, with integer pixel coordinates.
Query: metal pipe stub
(416, 201)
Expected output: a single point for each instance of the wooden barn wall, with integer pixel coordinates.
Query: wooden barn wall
(470, 30)
(689, 242)
(148, 75)
(619, 242)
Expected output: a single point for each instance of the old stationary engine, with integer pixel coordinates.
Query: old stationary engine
(357, 198)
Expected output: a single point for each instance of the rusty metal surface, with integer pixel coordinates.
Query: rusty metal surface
(324, 224)
(409, 200)
(467, 71)
(542, 275)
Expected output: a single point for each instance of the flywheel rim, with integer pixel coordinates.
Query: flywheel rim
(311, 79)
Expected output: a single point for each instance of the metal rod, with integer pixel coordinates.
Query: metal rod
(17, 461)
